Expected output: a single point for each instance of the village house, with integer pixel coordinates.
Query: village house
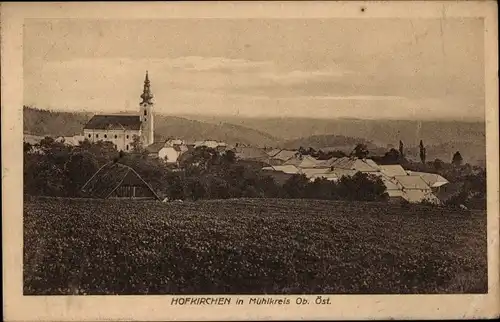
(70, 140)
(118, 181)
(213, 144)
(121, 129)
(169, 151)
(400, 184)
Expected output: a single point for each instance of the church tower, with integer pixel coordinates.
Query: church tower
(146, 113)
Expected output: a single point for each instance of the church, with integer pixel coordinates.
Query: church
(120, 129)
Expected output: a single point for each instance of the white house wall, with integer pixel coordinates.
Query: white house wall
(170, 155)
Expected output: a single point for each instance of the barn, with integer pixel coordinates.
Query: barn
(118, 181)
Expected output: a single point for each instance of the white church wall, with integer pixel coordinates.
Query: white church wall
(122, 139)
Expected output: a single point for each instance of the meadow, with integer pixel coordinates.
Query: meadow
(250, 246)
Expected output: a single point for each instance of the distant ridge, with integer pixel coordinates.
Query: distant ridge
(56, 123)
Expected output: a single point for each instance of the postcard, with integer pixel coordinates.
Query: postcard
(250, 160)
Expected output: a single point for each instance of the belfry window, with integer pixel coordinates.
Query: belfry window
(145, 112)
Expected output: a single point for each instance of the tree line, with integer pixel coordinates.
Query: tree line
(56, 169)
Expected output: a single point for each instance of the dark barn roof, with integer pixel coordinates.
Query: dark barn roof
(108, 122)
(109, 177)
(155, 147)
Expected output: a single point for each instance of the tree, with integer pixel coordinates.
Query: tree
(136, 144)
(27, 147)
(360, 151)
(201, 158)
(296, 186)
(362, 187)
(229, 156)
(401, 149)
(422, 152)
(457, 159)
(438, 164)
(391, 157)
(79, 168)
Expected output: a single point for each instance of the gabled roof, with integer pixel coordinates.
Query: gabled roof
(314, 172)
(285, 155)
(109, 177)
(355, 164)
(327, 163)
(392, 170)
(309, 162)
(273, 152)
(419, 196)
(371, 164)
(155, 147)
(432, 179)
(412, 182)
(250, 153)
(343, 172)
(296, 160)
(290, 169)
(110, 122)
(343, 163)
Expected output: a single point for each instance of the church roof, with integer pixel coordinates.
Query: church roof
(114, 122)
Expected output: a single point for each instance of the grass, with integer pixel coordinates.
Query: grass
(250, 246)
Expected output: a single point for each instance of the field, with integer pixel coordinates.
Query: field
(78, 246)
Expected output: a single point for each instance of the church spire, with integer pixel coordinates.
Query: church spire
(146, 93)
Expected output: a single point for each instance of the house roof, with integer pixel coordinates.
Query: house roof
(285, 155)
(309, 162)
(419, 196)
(273, 152)
(314, 172)
(114, 122)
(290, 169)
(389, 182)
(392, 170)
(395, 193)
(412, 182)
(343, 172)
(328, 176)
(355, 164)
(296, 160)
(109, 177)
(250, 153)
(327, 163)
(342, 163)
(372, 164)
(32, 139)
(432, 179)
(155, 147)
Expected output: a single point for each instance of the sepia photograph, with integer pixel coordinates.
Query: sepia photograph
(260, 157)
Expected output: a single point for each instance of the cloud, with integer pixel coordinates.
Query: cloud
(300, 76)
(198, 63)
(237, 86)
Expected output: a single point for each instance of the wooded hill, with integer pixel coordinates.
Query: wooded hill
(55, 123)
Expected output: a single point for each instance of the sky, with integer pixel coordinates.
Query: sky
(326, 68)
